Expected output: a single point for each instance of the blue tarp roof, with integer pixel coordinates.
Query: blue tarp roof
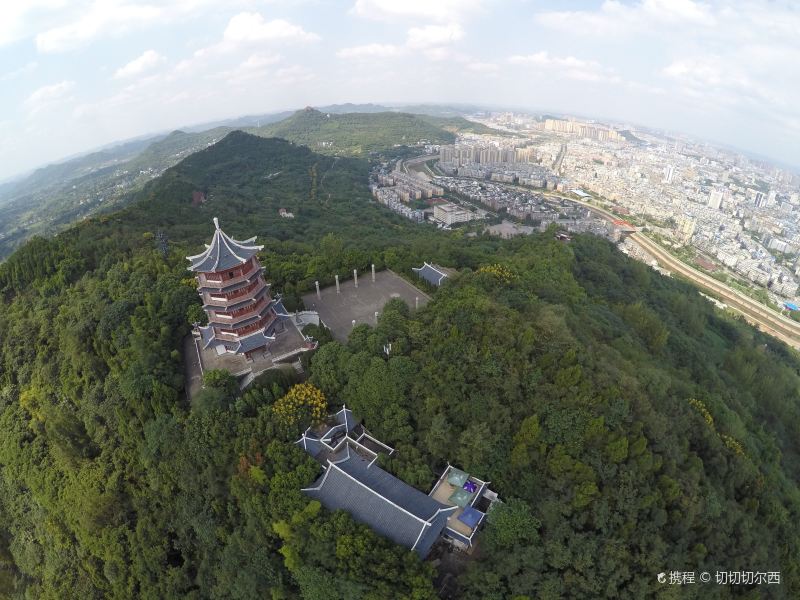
(457, 477)
(470, 517)
(791, 306)
(430, 273)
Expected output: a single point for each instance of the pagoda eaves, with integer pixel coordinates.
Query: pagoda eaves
(223, 253)
(242, 315)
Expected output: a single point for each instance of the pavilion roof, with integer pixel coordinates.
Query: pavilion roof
(431, 273)
(223, 253)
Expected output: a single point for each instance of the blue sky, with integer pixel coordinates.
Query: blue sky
(76, 74)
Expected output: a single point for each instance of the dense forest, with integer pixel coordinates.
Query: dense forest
(359, 134)
(629, 427)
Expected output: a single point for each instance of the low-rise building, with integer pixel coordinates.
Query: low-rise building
(450, 214)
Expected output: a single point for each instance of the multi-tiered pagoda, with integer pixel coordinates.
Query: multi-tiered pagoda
(242, 315)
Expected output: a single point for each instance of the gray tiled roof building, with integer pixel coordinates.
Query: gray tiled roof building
(391, 507)
(353, 482)
(433, 274)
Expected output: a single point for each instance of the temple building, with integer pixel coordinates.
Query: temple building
(433, 274)
(352, 481)
(242, 315)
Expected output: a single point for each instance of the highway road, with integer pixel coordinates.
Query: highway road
(756, 313)
(759, 315)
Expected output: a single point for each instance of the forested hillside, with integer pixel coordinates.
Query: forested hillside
(629, 428)
(358, 134)
(58, 195)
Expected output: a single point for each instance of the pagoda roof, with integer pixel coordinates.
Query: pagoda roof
(251, 342)
(206, 335)
(223, 253)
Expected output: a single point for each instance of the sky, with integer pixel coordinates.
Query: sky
(77, 74)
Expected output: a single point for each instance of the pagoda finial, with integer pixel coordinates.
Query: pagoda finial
(216, 222)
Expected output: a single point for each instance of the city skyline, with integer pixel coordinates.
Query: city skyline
(85, 74)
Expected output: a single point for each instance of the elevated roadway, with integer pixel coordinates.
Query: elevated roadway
(763, 317)
(756, 313)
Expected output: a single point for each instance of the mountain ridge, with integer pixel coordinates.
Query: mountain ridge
(57, 195)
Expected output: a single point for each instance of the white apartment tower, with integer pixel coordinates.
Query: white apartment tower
(715, 199)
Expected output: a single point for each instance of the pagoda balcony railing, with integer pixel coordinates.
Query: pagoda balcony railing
(224, 299)
(215, 300)
(235, 335)
(227, 281)
(242, 313)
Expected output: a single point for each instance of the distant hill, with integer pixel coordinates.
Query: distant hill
(246, 179)
(349, 107)
(62, 172)
(177, 146)
(441, 110)
(629, 136)
(359, 134)
(240, 122)
(461, 125)
(56, 195)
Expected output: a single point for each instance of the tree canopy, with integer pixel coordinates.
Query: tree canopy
(628, 426)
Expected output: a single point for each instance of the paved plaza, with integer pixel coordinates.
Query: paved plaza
(359, 304)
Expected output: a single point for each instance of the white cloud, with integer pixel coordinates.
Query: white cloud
(440, 11)
(293, 74)
(730, 82)
(615, 18)
(430, 42)
(259, 61)
(718, 56)
(80, 22)
(370, 51)
(243, 32)
(19, 18)
(256, 66)
(146, 62)
(678, 11)
(49, 96)
(565, 66)
(23, 70)
(252, 27)
(434, 35)
(482, 67)
(102, 18)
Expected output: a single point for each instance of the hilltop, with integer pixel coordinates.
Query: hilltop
(628, 426)
(359, 134)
